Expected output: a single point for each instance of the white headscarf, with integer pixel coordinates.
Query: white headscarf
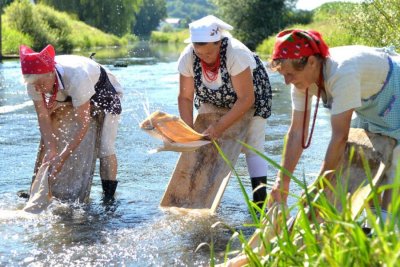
(207, 29)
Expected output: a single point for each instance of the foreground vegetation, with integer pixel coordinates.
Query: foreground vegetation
(320, 234)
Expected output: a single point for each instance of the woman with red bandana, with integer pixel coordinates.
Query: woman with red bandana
(216, 69)
(50, 79)
(349, 79)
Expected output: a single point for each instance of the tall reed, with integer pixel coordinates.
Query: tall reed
(320, 234)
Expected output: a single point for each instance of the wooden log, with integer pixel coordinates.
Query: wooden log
(200, 176)
(377, 151)
(74, 181)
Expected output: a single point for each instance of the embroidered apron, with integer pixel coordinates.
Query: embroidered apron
(225, 96)
(381, 112)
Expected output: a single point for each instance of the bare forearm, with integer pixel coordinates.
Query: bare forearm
(333, 155)
(244, 88)
(186, 110)
(291, 156)
(45, 127)
(76, 139)
(238, 110)
(82, 119)
(340, 132)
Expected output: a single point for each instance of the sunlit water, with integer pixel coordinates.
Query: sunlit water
(134, 231)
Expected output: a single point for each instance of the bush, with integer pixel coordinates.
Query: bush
(326, 20)
(39, 25)
(376, 23)
(11, 39)
(169, 37)
(20, 16)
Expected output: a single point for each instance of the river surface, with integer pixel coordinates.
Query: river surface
(133, 231)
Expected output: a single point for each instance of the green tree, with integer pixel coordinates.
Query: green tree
(254, 20)
(189, 9)
(149, 16)
(4, 3)
(375, 22)
(40, 23)
(112, 16)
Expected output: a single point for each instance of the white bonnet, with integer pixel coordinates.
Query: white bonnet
(207, 29)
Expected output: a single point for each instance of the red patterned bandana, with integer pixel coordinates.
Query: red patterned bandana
(295, 44)
(37, 63)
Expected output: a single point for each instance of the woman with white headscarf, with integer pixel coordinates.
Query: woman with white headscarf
(217, 69)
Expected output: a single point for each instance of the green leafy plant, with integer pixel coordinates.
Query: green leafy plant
(319, 234)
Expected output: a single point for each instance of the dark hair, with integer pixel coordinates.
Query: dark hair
(297, 64)
(204, 43)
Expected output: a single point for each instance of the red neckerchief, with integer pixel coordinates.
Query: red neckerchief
(50, 101)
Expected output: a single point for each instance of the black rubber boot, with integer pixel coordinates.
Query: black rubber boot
(109, 188)
(23, 194)
(259, 194)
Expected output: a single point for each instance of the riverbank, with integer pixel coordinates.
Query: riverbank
(13, 56)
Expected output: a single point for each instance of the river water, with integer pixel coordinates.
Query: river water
(134, 231)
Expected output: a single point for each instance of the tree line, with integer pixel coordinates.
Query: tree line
(254, 20)
(376, 21)
(118, 17)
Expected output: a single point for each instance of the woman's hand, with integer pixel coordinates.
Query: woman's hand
(213, 132)
(50, 154)
(56, 164)
(279, 192)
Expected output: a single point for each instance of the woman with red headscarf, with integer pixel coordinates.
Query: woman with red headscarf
(349, 79)
(50, 79)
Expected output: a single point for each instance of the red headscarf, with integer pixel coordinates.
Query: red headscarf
(37, 63)
(295, 44)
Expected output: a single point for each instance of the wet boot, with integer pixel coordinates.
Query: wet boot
(23, 194)
(260, 193)
(109, 188)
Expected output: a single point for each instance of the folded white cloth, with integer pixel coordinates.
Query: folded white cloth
(40, 193)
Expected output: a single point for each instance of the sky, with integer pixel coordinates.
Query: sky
(311, 4)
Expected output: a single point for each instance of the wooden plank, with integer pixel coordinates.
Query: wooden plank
(200, 176)
(74, 181)
(359, 197)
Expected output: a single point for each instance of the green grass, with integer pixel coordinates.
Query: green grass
(169, 37)
(321, 235)
(39, 25)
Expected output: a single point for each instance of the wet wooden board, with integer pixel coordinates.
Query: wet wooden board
(377, 150)
(200, 177)
(74, 181)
